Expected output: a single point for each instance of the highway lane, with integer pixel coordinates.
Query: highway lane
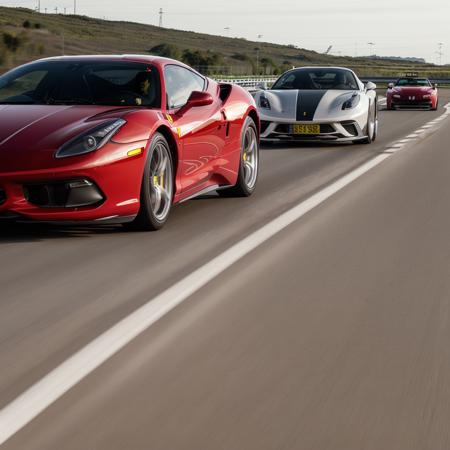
(61, 288)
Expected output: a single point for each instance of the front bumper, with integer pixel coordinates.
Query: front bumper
(102, 187)
(406, 103)
(345, 131)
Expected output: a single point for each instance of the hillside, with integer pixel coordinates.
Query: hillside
(26, 35)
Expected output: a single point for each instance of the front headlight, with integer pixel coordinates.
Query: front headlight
(264, 102)
(91, 140)
(352, 102)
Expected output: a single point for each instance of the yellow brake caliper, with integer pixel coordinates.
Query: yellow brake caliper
(158, 181)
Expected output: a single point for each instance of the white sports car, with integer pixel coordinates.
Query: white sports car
(319, 104)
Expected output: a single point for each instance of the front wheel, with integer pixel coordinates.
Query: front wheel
(249, 163)
(157, 187)
(372, 125)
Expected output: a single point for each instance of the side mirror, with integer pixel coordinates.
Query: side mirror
(435, 85)
(391, 86)
(198, 98)
(370, 86)
(262, 86)
(195, 100)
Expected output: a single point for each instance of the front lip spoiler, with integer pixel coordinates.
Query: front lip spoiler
(315, 139)
(113, 220)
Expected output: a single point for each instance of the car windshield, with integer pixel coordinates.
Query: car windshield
(116, 83)
(413, 82)
(311, 79)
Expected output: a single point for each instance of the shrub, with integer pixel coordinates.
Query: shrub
(26, 24)
(166, 50)
(12, 43)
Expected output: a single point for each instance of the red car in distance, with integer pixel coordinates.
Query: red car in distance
(120, 139)
(412, 92)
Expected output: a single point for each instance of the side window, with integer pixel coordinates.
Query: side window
(180, 83)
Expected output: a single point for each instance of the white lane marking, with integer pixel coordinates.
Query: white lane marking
(42, 394)
(423, 131)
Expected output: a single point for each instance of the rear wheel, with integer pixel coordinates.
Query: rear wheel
(249, 163)
(157, 187)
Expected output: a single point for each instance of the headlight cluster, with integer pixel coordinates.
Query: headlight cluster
(264, 102)
(352, 102)
(427, 96)
(92, 140)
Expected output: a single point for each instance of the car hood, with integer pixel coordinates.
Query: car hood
(30, 134)
(304, 105)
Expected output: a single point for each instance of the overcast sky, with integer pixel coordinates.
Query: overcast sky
(396, 27)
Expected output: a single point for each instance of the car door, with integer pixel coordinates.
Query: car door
(201, 129)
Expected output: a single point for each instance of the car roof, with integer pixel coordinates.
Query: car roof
(152, 59)
(321, 68)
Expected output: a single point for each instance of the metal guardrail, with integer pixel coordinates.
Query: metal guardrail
(247, 82)
(253, 82)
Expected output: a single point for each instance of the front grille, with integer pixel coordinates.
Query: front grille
(264, 125)
(2, 196)
(350, 128)
(283, 128)
(63, 194)
(412, 104)
(326, 128)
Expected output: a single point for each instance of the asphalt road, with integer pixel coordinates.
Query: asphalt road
(332, 335)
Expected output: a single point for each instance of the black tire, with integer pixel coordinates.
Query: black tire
(245, 185)
(149, 219)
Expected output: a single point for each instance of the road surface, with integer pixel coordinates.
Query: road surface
(334, 334)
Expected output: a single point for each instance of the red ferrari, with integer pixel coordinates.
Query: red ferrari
(412, 92)
(120, 139)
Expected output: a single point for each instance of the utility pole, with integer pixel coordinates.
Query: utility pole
(161, 13)
(56, 10)
(440, 52)
(227, 31)
(371, 46)
(74, 7)
(65, 10)
(45, 10)
(39, 6)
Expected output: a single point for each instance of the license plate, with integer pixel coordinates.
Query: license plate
(306, 129)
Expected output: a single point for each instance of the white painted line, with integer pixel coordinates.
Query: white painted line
(41, 395)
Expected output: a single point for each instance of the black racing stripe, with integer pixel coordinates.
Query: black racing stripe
(307, 103)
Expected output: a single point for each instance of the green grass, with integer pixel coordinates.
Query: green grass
(83, 35)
